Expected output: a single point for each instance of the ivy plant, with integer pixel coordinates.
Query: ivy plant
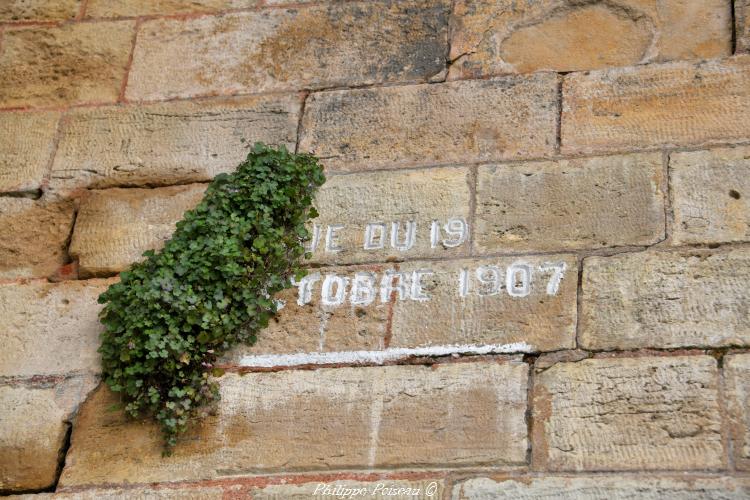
(211, 287)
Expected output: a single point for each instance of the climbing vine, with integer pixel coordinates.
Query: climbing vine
(211, 287)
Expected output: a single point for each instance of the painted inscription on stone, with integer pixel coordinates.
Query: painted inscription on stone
(363, 288)
(400, 236)
(407, 239)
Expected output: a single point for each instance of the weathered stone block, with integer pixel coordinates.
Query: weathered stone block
(39, 10)
(742, 24)
(132, 8)
(68, 64)
(503, 118)
(614, 487)
(737, 393)
(340, 418)
(384, 216)
(34, 429)
(26, 143)
(710, 191)
(168, 143)
(570, 204)
(32, 435)
(657, 105)
(493, 37)
(666, 300)
(330, 45)
(50, 328)
(642, 413)
(115, 226)
(528, 303)
(35, 235)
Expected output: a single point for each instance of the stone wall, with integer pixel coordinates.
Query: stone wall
(531, 269)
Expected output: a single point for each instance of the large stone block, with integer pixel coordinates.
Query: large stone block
(39, 10)
(115, 226)
(50, 328)
(666, 300)
(503, 118)
(570, 204)
(614, 487)
(737, 393)
(35, 422)
(657, 105)
(68, 64)
(32, 435)
(643, 413)
(493, 37)
(35, 234)
(710, 192)
(526, 303)
(742, 24)
(132, 8)
(385, 216)
(329, 45)
(449, 415)
(26, 146)
(168, 143)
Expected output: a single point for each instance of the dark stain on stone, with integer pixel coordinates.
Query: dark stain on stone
(346, 44)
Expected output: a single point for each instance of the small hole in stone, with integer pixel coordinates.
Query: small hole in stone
(714, 245)
(734, 194)
(65, 301)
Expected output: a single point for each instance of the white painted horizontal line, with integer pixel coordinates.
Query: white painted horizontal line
(377, 357)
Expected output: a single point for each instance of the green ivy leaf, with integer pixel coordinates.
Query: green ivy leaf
(172, 315)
